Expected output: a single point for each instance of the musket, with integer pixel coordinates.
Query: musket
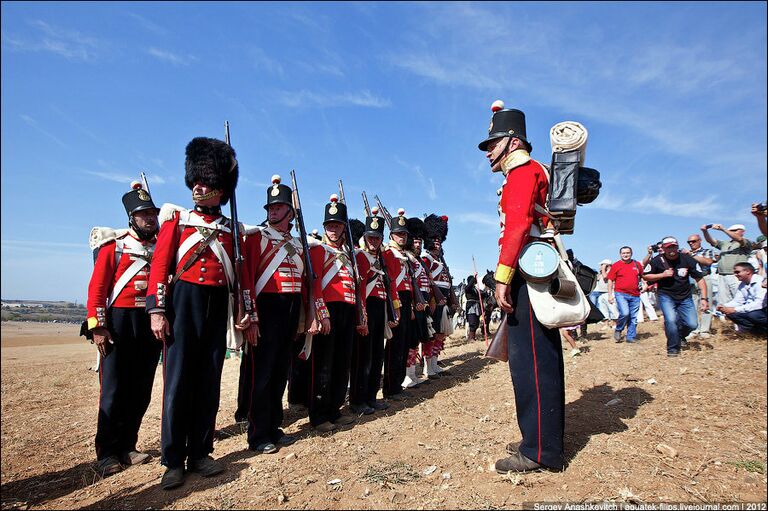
(145, 182)
(482, 307)
(310, 272)
(387, 283)
(414, 283)
(361, 319)
(239, 306)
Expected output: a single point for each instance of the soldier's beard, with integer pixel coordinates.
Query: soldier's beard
(143, 234)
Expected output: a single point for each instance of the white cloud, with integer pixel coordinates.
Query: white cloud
(173, 58)
(479, 219)
(70, 44)
(426, 182)
(305, 98)
(34, 124)
(660, 204)
(124, 178)
(149, 25)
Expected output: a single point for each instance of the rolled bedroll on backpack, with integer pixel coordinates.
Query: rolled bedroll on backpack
(569, 136)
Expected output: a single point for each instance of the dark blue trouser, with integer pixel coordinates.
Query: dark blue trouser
(368, 356)
(750, 322)
(299, 374)
(536, 366)
(396, 350)
(126, 375)
(680, 319)
(268, 364)
(329, 365)
(192, 362)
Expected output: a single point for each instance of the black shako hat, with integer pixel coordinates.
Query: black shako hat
(436, 227)
(138, 199)
(506, 122)
(278, 193)
(374, 224)
(335, 211)
(212, 163)
(399, 223)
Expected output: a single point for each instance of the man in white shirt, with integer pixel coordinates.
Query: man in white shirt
(747, 309)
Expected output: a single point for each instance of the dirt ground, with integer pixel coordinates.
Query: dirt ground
(640, 427)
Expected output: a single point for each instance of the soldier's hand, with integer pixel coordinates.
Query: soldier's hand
(101, 338)
(314, 327)
(504, 297)
(325, 326)
(243, 323)
(393, 324)
(420, 306)
(362, 329)
(442, 302)
(160, 326)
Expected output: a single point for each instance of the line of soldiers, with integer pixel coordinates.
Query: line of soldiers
(354, 307)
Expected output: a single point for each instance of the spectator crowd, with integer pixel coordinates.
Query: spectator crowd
(689, 285)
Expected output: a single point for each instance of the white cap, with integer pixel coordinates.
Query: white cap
(606, 261)
(668, 241)
(736, 227)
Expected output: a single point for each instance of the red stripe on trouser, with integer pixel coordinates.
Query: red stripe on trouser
(101, 378)
(538, 395)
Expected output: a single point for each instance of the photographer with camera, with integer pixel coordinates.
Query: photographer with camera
(735, 250)
(761, 211)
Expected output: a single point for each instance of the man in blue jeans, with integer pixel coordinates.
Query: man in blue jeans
(624, 290)
(671, 270)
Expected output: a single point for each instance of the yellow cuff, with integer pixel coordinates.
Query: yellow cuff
(93, 322)
(396, 304)
(504, 274)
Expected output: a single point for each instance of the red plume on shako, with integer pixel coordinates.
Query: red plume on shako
(497, 105)
(136, 185)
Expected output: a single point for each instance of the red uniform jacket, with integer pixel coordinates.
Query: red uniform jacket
(524, 187)
(396, 270)
(371, 277)
(206, 270)
(421, 277)
(438, 271)
(275, 260)
(107, 272)
(334, 274)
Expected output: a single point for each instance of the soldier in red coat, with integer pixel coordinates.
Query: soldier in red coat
(332, 349)
(190, 304)
(436, 232)
(275, 260)
(119, 326)
(396, 349)
(420, 332)
(535, 355)
(368, 344)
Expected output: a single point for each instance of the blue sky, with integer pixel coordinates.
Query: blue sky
(392, 98)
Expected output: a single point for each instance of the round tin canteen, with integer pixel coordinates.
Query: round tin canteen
(538, 261)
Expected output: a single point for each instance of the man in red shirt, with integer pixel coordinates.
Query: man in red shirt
(624, 289)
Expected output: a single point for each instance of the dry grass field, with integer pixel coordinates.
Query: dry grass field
(640, 428)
